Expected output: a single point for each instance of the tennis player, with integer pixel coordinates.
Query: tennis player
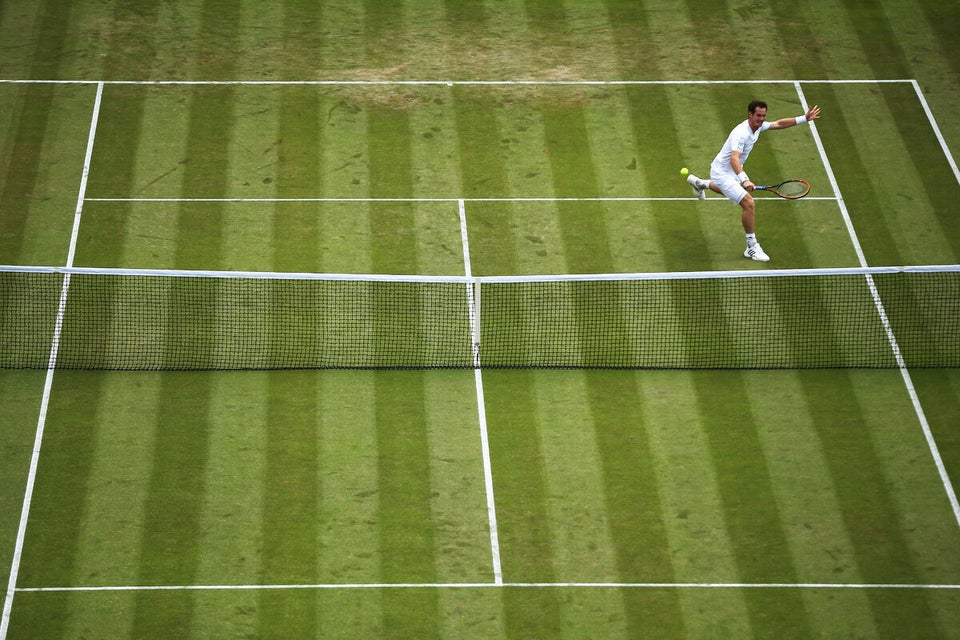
(726, 172)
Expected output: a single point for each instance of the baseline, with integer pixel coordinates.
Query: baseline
(451, 83)
(487, 585)
(451, 199)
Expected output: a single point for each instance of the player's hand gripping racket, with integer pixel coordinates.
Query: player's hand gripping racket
(789, 189)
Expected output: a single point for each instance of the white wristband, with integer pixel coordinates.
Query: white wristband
(801, 119)
(742, 177)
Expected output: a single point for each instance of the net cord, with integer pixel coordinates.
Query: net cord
(669, 275)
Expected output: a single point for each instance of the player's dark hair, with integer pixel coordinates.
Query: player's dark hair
(756, 104)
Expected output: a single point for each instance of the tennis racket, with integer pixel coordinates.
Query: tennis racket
(789, 189)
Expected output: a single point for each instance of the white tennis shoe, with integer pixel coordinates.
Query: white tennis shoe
(699, 187)
(756, 253)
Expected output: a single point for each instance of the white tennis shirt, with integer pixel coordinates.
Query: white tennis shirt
(740, 139)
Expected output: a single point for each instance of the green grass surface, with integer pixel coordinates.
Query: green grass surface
(249, 479)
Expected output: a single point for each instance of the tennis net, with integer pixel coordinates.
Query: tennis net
(118, 319)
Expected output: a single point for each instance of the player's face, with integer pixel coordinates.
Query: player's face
(757, 117)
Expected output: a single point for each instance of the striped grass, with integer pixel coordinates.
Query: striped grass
(365, 478)
(20, 394)
(43, 132)
(713, 503)
(634, 486)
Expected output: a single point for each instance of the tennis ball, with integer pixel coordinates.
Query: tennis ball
(684, 171)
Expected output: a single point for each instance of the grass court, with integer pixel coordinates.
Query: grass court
(472, 137)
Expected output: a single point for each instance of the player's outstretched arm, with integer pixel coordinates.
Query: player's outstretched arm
(783, 123)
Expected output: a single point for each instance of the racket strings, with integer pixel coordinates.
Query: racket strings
(793, 188)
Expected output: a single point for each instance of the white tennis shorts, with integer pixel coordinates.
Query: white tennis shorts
(729, 185)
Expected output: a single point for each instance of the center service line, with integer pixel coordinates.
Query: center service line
(481, 406)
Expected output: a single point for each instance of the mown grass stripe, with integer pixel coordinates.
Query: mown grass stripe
(232, 515)
(111, 531)
(200, 226)
(49, 54)
(633, 493)
(924, 153)
(633, 498)
(682, 240)
(434, 154)
(296, 226)
(382, 30)
(939, 392)
(119, 134)
(349, 530)
(944, 21)
(41, 129)
(526, 538)
(548, 16)
(710, 44)
(881, 47)
(807, 498)
(63, 480)
(405, 519)
(482, 174)
(585, 242)
(458, 497)
(293, 490)
(21, 393)
(171, 535)
(873, 524)
(582, 544)
(633, 42)
(300, 162)
(464, 14)
(23, 168)
(127, 413)
(130, 55)
(851, 166)
(391, 176)
(172, 510)
(291, 496)
(695, 254)
(750, 508)
(346, 238)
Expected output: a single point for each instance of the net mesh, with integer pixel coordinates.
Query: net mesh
(180, 321)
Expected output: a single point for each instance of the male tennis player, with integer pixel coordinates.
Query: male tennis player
(726, 172)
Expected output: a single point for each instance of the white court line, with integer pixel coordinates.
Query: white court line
(449, 83)
(481, 403)
(901, 364)
(48, 382)
(488, 585)
(451, 199)
(936, 130)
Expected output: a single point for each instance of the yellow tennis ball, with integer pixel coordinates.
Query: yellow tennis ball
(684, 171)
